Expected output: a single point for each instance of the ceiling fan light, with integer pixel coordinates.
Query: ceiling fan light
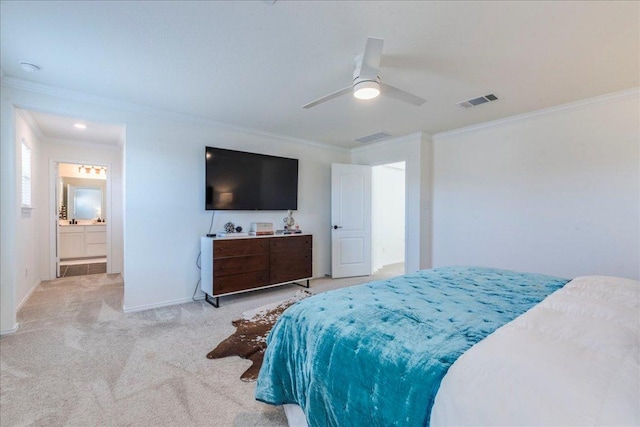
(366, 90)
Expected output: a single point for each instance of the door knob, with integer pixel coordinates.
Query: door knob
(335, 227)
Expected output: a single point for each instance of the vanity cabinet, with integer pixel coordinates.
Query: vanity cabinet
(239, 264)
(95, 241)
(82, 241)
(71, 242)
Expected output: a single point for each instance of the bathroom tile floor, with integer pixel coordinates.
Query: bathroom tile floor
(83, 269)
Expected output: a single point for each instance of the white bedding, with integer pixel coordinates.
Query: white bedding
(571, 360)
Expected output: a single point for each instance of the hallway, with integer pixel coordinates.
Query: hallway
(71, 298)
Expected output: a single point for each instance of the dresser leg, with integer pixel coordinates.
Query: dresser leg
(300, 284)
(217, 303)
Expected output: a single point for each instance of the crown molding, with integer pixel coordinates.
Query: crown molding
(596, 100)
(31, 123)
(17, 83)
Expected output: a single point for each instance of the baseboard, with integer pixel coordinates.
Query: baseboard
(176, 302)
(9, 331)
(158, 305)
(26, 297)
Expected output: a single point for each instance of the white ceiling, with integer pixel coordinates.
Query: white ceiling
(60, 127)
(255, 63)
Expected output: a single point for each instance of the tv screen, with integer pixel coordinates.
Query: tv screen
(236, 180)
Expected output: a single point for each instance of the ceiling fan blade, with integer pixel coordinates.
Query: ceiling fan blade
(328, 97)
(401, 95)
(371, 57)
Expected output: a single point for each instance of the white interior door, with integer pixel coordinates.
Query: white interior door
(350, 220)
(57, 190)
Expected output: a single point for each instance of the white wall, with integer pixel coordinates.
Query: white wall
(388, 215)
(8, 217)
(28, 244)
(163, 205)
(555, 192)
(416, 151)
(94, 154)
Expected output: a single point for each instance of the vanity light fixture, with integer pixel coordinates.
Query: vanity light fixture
(80, 126)
(95, 170)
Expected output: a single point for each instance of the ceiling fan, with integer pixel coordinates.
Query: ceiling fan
(366, 82)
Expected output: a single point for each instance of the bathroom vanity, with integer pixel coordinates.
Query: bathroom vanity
(82, 241)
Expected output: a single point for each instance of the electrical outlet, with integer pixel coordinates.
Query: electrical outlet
(26, 272)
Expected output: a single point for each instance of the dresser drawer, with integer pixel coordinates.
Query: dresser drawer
(240, 264)
(240, 247)
(288, 260)
(297, 272)
(290, 243)
(240, 282)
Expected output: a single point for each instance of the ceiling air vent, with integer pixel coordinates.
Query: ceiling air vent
(479, 100)
(373, 137)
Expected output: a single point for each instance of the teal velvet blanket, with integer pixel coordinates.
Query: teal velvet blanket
(375, 354)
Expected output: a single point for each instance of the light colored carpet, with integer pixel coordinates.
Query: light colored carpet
(77, 360)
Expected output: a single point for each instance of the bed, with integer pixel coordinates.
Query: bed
(460, 346)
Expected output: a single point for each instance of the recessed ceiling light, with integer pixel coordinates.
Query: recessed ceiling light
(79, 126)
(29, 67)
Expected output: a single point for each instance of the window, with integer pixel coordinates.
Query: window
(26, 175)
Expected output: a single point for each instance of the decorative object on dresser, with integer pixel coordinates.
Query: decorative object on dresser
(261, 229)
(285, 232)
(289, 222)
(290, 226)
(249, 341)
(230, 230)
(235, 265)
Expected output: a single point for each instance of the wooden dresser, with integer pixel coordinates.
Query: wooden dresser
(240, 264)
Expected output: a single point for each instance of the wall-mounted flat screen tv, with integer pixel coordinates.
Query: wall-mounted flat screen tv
(237, 180)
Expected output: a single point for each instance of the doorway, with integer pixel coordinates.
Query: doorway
(81, 205)
(388, 217)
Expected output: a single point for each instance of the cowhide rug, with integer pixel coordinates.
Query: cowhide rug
(250, 339)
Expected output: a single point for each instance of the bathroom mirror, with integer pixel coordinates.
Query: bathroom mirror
(82, 198)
